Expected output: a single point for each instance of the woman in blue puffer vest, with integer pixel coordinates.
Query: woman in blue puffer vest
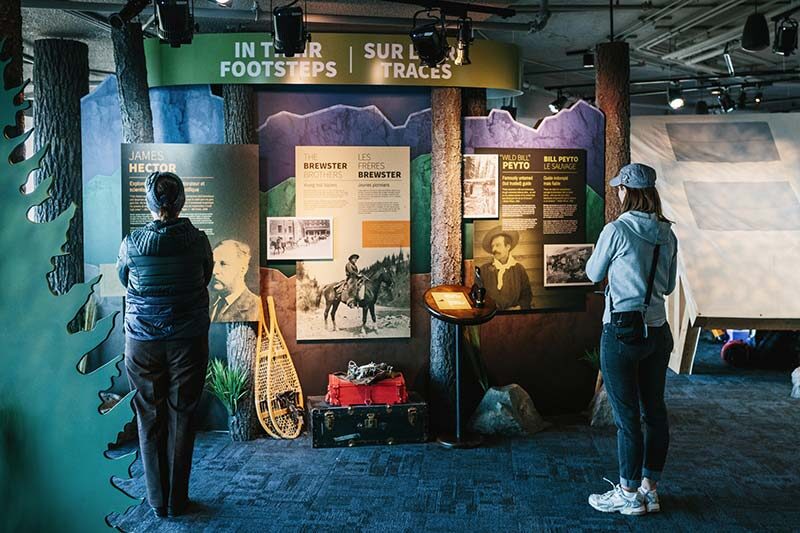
(166, 266)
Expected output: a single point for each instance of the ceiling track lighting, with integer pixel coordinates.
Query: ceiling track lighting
(785, 36)
(559, 103)
(289, 29)
(465, 38)
(175, 21)
(588, 60)
(430, 38)
(131, 9)
(675, 96)
(755, 36)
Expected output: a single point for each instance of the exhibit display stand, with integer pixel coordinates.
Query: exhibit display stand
(452, 304)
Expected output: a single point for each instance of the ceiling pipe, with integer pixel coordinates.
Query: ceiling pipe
(688, 24)
(678, 79)
(662, 13)
(571, 8)
(723, 38)
(245, 15)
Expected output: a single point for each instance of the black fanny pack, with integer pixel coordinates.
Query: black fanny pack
(630, 326)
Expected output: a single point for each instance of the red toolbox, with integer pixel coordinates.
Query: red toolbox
(389, 390)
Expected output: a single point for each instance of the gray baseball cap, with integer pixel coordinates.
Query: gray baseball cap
(635, 176)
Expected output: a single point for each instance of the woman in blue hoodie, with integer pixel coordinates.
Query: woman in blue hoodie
(634, 372)
(166, 266)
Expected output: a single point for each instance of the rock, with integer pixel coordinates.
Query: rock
(602, 416)
(796, 383)
(507, 410)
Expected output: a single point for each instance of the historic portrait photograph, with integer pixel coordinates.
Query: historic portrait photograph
(565, 264)
(481, 174)
(230, 297)
(505, 277)
(299, 238)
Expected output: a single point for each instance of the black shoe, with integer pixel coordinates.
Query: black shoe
(178, 511)
(160, 512)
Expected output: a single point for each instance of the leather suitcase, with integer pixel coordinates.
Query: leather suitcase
(357, 425)
(386, 391)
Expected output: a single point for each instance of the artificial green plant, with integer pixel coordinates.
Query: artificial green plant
(227, 383)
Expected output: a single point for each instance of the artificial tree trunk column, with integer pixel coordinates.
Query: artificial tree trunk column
(11, 36)
(446, 247)
(61, 79)
(240, 128)
(612, 93)
(473, 104)
(134, 95)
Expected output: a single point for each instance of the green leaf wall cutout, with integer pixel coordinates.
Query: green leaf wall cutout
(54, 474)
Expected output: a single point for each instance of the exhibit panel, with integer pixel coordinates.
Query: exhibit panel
(221, 184)
(556, 335)
(366, 191)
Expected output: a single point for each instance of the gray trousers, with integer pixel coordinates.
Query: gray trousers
(169, 377)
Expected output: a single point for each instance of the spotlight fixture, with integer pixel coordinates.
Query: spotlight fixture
(588, 60)
(558, 104)
(430, 38)
(716, 91)
(289, 33)
(701, 108)
(675, 96)
(726, 55)
(759, 97)
(755, 36)
(785, 37)
(726, 102)
(175, 21)
(128, 11)
(465, 38)
(222, 3)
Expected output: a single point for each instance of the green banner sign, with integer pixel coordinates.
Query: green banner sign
(330, 59)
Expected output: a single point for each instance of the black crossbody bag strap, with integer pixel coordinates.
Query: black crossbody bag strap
(652, 277)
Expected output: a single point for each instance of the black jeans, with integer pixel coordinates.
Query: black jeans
(634, 377)
(169, 378)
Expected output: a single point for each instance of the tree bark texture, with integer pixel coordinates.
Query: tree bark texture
(240, 114)
(473, 102)
(11, 35)
(240, 128)
(613, 98)
(61, 79)
(446, 247)
(241, 348)
(134, 95)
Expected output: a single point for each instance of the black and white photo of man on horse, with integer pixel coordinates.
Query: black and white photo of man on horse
(353, 287)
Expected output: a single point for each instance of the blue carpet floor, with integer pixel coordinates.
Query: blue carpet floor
(733, 466)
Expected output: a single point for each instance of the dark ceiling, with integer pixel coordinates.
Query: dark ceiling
(669, 39)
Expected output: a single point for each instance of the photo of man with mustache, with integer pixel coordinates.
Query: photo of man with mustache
(505, 279)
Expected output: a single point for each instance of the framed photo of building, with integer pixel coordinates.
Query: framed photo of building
(299, 238)
(481, 191)
(565, 264)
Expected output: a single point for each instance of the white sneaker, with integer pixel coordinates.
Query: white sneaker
(617, 500)
(650, 500)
